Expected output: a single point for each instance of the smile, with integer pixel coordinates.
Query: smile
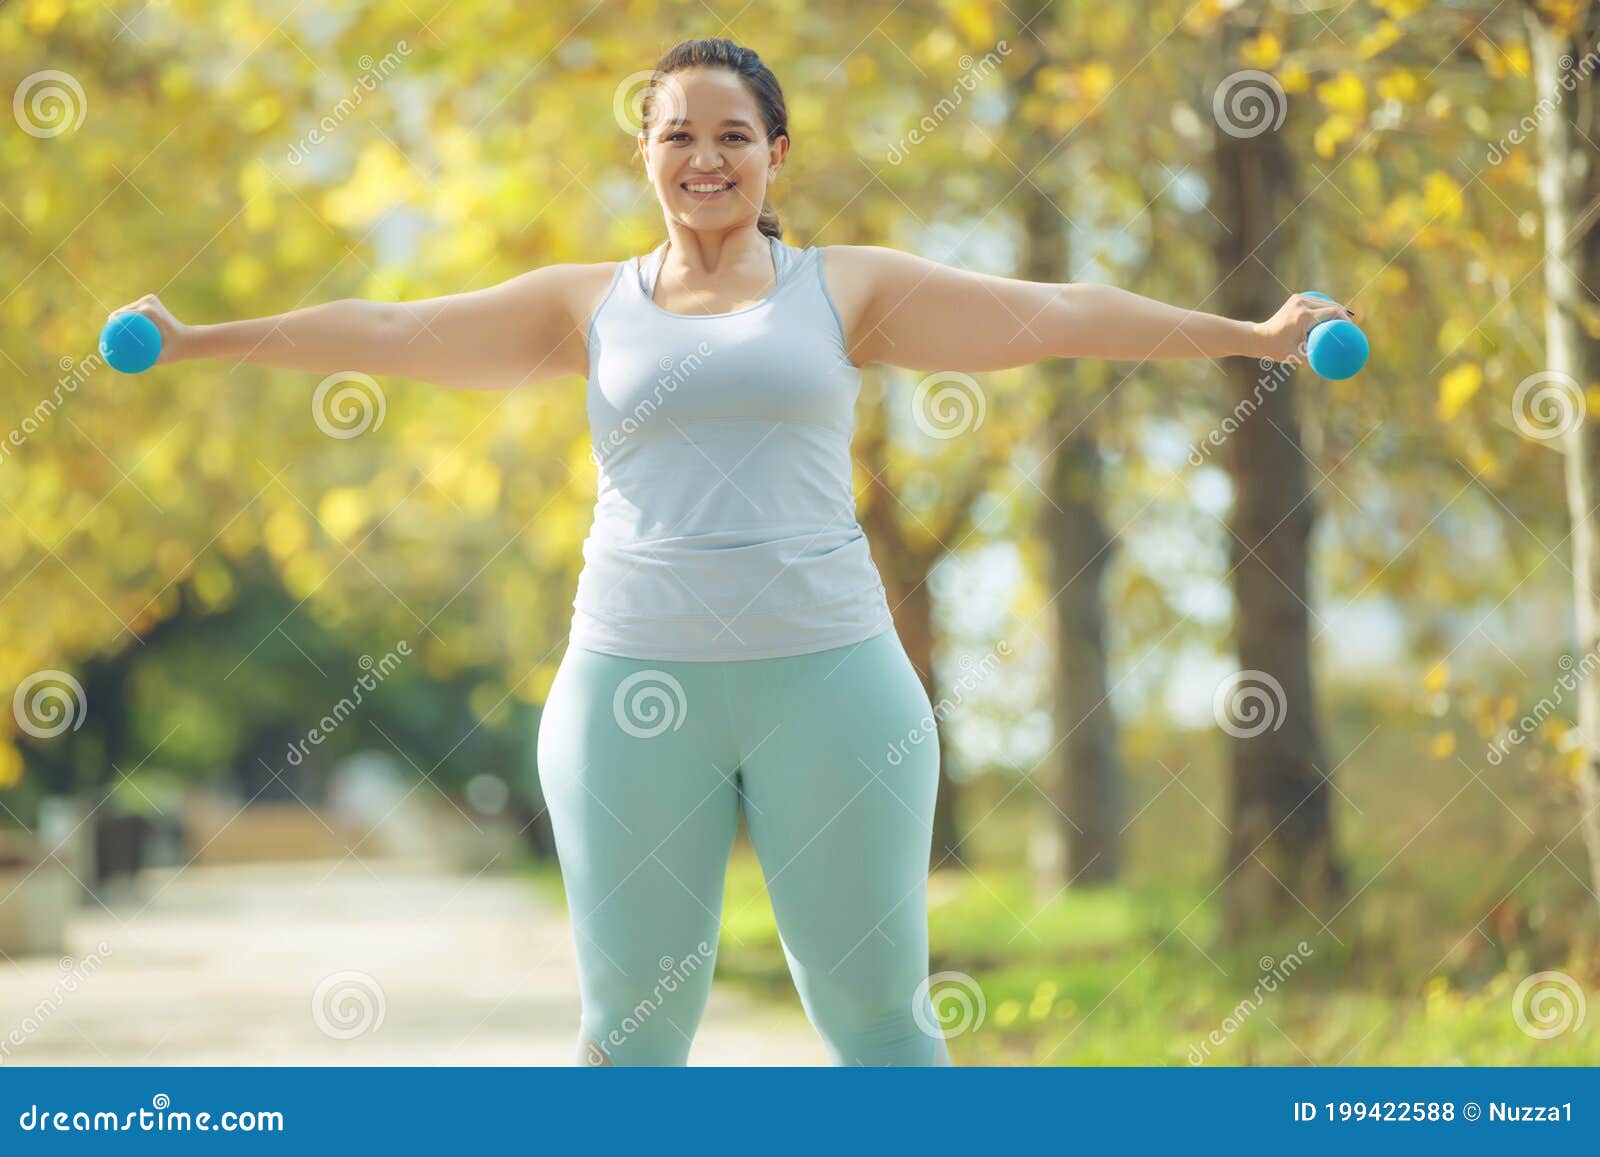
(705, 190)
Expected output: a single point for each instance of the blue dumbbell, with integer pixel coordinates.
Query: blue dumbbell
(131, 343)
(1336, 348)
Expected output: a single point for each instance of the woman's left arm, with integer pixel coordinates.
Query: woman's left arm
(921, 315)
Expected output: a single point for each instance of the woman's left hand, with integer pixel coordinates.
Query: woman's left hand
(1282, 337)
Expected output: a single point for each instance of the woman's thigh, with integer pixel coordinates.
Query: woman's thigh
(637, 768)
(841, 770)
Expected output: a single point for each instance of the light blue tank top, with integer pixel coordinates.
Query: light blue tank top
(724, 523)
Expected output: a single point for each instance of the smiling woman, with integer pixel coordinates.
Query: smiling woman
(731, 645)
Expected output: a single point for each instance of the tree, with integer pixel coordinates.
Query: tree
(1281, 858)
(1569, 185)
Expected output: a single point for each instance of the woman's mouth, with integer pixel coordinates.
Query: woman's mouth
(705, 190)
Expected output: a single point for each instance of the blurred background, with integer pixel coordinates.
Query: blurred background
(1266, 701)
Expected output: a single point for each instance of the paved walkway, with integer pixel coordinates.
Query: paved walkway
(221, 966)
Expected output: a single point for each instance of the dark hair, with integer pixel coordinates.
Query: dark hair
(757, 77)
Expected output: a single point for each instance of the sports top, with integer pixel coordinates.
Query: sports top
(724, 521)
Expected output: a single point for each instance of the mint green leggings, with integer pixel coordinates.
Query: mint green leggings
(645, 765)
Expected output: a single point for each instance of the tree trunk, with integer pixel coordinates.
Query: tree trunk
(1084, 770)
(1281, 860)
(1569, 185)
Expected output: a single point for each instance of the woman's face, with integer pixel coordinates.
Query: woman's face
(706, 150)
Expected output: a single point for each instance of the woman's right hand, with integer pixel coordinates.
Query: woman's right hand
(177, 339)
(1282, 337)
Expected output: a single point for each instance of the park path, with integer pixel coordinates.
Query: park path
(219, 965)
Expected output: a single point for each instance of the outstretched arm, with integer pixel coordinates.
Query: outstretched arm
(921, 315)
(521, 331)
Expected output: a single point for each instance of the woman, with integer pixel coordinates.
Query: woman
(731, 645)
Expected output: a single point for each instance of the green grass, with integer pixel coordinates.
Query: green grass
(1458, 896)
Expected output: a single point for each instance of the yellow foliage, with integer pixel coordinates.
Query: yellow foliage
(1437, 678)
(1394, 281)
(36, 205)
(1400, 9)
(1095, 80)
(303, 574)
(1344, 93)
(479, 489)
(976, 22)
(43, 15)
(261, 114)
(936, 47)
(1399, 84)
(1453, 333)
(1442, 745)
(177, 83)
(343, 511)
(1456, 387)
(1262, 52)
(285, 534)
(1381, 37)
(1332, 133)
(1294, 77)
(1007, 1013)
(382, 180)
(260, 214)
(1516, 59)
(1441, 196)
(242, 277)
(213, 585)
(10, 766)
(299, 243)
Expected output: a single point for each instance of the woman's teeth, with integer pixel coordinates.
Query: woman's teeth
(702, 187)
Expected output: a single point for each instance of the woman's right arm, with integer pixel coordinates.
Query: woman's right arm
(529, 329)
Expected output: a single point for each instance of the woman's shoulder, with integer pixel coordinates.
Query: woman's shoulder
(582, 286)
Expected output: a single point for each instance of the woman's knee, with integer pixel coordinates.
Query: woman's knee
(867, 1023)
